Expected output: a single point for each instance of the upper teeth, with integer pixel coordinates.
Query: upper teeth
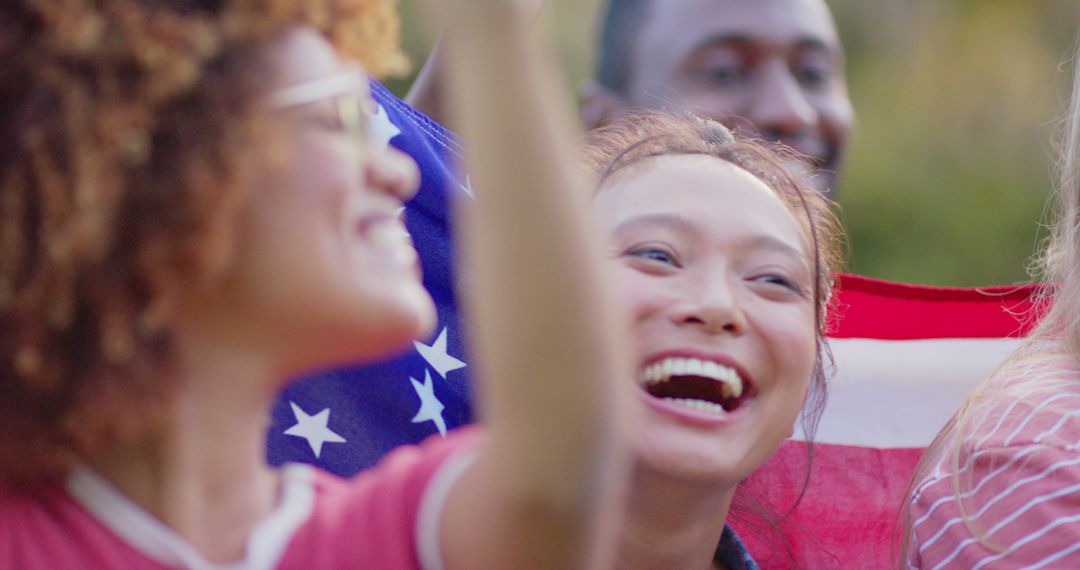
(662, 371)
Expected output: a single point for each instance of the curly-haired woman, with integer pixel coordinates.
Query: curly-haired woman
(190, 213)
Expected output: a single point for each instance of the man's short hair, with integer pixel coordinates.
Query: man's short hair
(621, 23)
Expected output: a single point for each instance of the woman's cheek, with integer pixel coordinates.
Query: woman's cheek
(791, 335)
(640, 294)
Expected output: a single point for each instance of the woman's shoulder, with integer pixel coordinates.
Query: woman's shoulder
(44, 526)
(1030, 408)
(405, 466)
(1032, 402)
(1007, 471)
(388, 513)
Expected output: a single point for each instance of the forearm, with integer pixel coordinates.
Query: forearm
(543, 330)
(427, 93)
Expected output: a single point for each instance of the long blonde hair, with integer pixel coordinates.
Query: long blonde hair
(1034, 366)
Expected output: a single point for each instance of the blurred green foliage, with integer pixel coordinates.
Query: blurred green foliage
(958, 103)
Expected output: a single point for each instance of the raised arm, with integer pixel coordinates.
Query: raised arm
(427, 92)
(544, 333)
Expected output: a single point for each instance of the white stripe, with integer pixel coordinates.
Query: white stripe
(1050, 559)
(1033, 536)
(1036, 501)
(1016, 484)
(1057, 426)
(1001, 419)
(899, 393)
(947, 478)
(1031, 415)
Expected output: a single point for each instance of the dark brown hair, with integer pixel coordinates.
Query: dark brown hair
(125, 139)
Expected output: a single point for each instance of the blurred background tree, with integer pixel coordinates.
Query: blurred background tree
(958, 105)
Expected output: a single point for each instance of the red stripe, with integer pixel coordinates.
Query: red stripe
(847, 519)
(848, 516)
(872, 308)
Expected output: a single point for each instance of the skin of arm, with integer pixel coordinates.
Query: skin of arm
(427, 91)
(542, 492)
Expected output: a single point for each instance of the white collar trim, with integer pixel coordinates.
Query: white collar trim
(265, 547)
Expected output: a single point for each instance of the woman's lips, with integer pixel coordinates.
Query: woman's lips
(389, 236)
(689, 415)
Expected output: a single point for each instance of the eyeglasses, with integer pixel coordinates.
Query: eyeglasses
(347, 90)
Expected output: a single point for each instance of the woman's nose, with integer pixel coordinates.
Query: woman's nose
(391, 172)
(714, 308)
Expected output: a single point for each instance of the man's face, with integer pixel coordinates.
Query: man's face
(770, 68)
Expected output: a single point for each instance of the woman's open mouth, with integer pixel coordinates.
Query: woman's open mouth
(389, 237)
(696, 384)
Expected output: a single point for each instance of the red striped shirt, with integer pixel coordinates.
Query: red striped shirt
(1017, 476)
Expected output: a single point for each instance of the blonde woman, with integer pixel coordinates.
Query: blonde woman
(1000, 486)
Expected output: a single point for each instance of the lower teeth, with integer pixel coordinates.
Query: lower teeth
(698, 405)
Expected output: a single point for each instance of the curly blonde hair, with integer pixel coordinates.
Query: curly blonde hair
(125, 143)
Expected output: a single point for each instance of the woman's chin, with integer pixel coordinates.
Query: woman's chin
(691, 455)
(364, 338)
(427, 318)
(410, 315)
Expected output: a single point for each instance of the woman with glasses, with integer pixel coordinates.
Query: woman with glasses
(190, 213)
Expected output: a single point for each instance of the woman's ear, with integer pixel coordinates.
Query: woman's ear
(598, 104)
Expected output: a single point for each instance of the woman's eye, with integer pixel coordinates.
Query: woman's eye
(779, 281)
(655, 255)
(320, 117)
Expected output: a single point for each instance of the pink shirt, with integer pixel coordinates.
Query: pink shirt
(386, 518)
(1019, 480)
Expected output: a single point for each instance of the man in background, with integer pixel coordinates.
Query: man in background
(773, 69)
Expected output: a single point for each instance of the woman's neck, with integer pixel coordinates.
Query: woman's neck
(671, 523)
(202, 471)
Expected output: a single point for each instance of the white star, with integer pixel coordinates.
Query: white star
(313, 428)
(436, 355)
(430, 406)
(382, 128)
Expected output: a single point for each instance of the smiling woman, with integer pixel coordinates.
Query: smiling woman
(192, 211)
(724, 262)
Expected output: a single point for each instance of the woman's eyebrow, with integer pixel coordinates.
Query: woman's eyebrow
(772, 243)
(670, 221)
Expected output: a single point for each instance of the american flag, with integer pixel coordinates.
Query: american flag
(344, 420)
(906, 357)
